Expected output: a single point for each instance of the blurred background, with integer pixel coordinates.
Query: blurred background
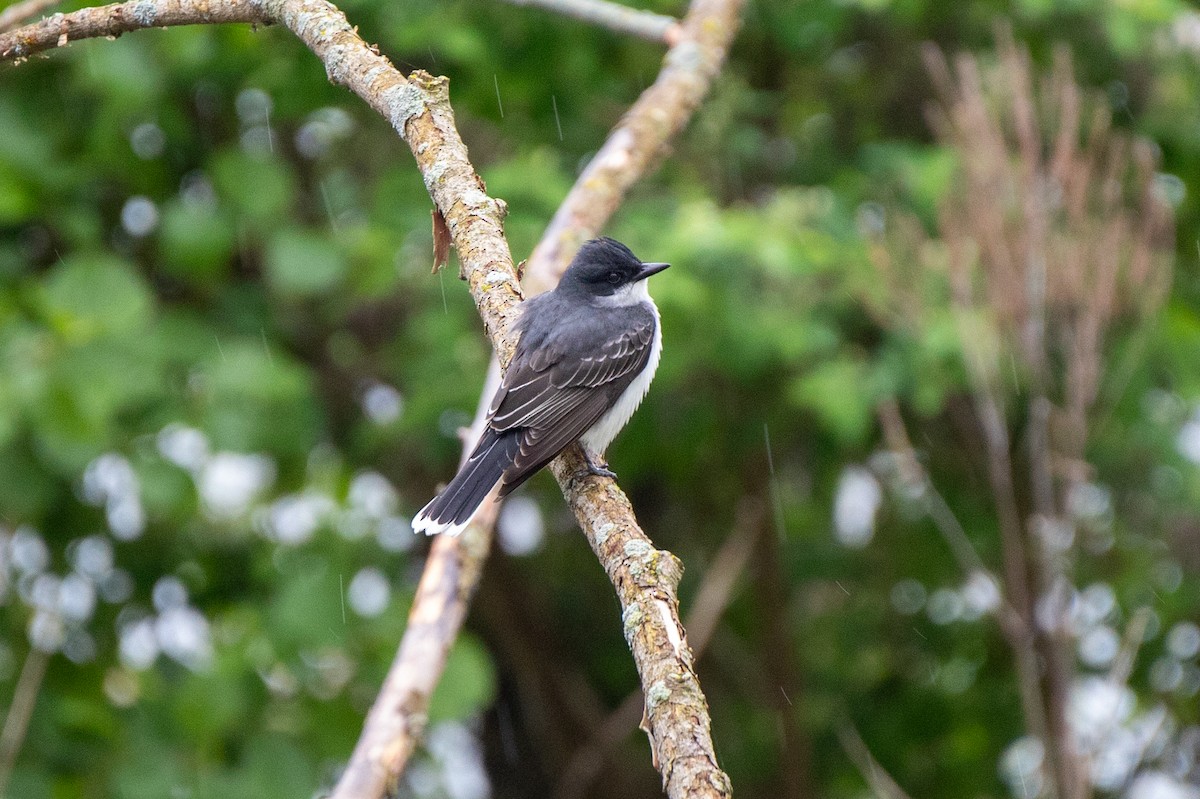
(931, 382)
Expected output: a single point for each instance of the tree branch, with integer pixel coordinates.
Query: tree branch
(398, 715)
(644, 24)
(58, 30)
(646, 580)
(17, 13)
(708, 605)
(418, 108)
(660, 113)
(540, 276)
(16, 723)
(881, 783)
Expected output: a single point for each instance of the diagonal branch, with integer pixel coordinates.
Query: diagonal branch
(639, 139)
(686, 91)
(418, 108)
(712, 598)
(882, 784)
(58, 30)
(16, 722)
(644, 24)
(397, 718)
(17, 13)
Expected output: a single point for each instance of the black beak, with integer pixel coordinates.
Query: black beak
(649, 269)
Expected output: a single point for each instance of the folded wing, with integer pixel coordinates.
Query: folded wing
(552, 397)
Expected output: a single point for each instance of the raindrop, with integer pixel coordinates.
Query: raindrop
(1021, 767)
(253, 106)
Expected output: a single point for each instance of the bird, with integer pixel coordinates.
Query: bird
(587, 352)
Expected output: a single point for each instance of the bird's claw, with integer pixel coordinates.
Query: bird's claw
(593, 468)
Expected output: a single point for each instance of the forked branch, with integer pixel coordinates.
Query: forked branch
(418, 108)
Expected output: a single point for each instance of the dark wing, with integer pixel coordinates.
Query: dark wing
(553, 395)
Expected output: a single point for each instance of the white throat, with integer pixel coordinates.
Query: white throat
(629, 294)
(601, 434)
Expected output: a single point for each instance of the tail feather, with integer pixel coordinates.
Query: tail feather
(450, 510)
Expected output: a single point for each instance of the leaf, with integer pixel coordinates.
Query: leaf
(441, 241)
(86, 296)
(301, 262)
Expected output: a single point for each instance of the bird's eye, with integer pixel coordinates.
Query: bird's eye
(614, 278)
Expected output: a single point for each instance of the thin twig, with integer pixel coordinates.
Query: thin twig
(882, 783)
(59, 30)
(16, 723)
(17, 13)
(644, 24)
(917, 483)
(1131, 642)
(634, 145)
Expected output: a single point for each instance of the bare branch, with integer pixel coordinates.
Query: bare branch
(678, 84)
(397, 718)
(418, 108)
(877, 778)
(644, 24)
(1131, 642)
(17, 13)
(58, 30)
(16, 723)
(633, 146)
(646, 580)
(712, 598)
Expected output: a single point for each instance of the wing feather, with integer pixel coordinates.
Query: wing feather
(553, 395)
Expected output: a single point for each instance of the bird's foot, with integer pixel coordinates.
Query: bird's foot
(597, 469)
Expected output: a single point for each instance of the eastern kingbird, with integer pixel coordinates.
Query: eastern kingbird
(584, 361)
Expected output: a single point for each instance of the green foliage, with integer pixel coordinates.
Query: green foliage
(240, 399)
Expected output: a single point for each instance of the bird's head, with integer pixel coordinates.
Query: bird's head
(607, 270)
